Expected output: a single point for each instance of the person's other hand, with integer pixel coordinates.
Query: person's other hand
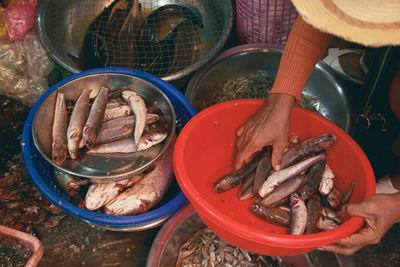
(269, 126)
(380, 212)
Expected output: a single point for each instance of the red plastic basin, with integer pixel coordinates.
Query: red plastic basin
(204, 152)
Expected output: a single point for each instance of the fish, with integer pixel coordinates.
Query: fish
(118, 122)
(327, 212)
(234, 178)
(128, 145)
(100, 194)
(348, 194)
(271, 215)
(68, 183)
(298, 218)
(313, 179)
(94, 120)
(327, 181)
(111, 113)
(161, 34)
(307, 148)
(114, 134)
(77, 121)
(148, 192)
(313, 214)
(283, 190)
(114, 102)
(244, 192)
(334, 199)
(325, 223)
(59, 150)
(120, 128)
(279, 177)
(138, 107)
(101, 44)
(263, 169)
(283, 202)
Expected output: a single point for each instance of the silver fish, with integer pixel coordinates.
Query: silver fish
(101, 194)
(279, 177)
(115, 102)
(120, 128)
(114, 134)
(298, 218)
(148, 191)
(327, 212)
(77, 121)
(139, 108)
(117, 112)
(127, 145)
(93, 123)
(68, 183)
(118, 122)
(326, 184)
(59, 145)
(325, 223)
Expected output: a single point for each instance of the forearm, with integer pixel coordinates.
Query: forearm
(304, 48)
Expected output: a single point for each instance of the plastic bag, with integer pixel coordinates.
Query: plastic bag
(24, 68)
(17, 19)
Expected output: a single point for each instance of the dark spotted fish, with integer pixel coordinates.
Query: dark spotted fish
(234, 178)
(307, 148)
(271, 215)
(313, 214)
(283, 190)
(313, 179)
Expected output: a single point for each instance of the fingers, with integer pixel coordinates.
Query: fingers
(357, 209)
(242, 158)
(340, 249)
(350, 245)
(277, 153)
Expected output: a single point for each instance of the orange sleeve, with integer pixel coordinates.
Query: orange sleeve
(304, 48)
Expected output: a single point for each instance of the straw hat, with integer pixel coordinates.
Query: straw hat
(367, 22)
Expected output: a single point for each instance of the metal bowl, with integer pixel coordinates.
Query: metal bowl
(185, 223)
(324, 84)
(63, 24)
(102, 167)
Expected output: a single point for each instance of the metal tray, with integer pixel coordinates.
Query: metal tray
(107, 166)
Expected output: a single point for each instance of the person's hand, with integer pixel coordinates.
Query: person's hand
(380, 212)
(269, 126)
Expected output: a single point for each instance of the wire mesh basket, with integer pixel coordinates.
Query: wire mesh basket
(264, 21)
(169, 39)
(11, 236)
(41, 171)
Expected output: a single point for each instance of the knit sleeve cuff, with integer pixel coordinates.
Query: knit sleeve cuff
(291, 80)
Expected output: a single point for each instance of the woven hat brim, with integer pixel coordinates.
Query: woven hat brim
(325, 16)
